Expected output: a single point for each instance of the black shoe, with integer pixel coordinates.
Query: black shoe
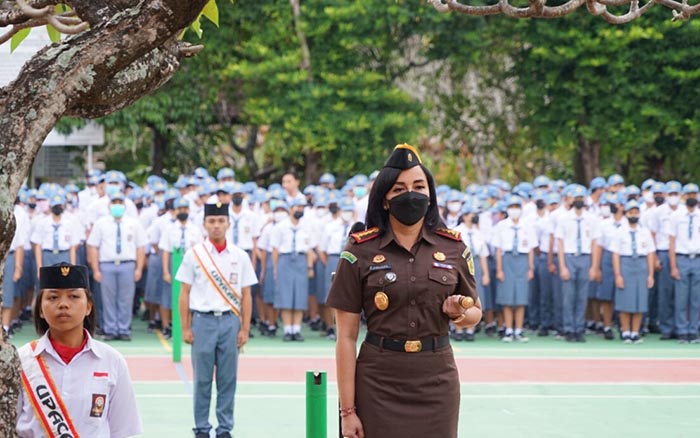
(580, 337)
(608, 334)
(167, 333)
(458, 336)
(272, 331)
(159, 324)
(693, 339)
(666, 337)
(490, 330)
(288, 337)
(683, 339)
(315, 324)
(223, 435)
(570, 337)
(108, 337)
(298, 337)
(26, 315)
(151, 327)
(330, 334)
(469, 337)
(201, 435)
(543, 332)
(636, 339)
(653, 328)
(124, 337)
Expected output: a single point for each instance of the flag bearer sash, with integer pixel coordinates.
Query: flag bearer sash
(217, 280)
(39, 386)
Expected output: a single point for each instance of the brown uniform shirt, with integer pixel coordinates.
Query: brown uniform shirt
(416, 282)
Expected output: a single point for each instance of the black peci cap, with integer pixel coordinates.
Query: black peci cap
(218, 209)
(403, 157)
(64, 276)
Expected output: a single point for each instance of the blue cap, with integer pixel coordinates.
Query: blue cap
(360, 180)
(249, 187)
(321, 201)
(153, 179)
(327, 178)
(541, 181)
(346, 204)
(441, 202)
(513, 200)
(181, 182)
(297, 202)
(470, 207)
(72, 188)
(41, 195)
(442, 189)
(493, 192)
(181, 203)
(236, 187)
(615, 179)
(116, 196)
(171, 194)
(201, 173)
(553, 198)
(524, 187)
(373, 175)
(598, 183)
(576, 190)
(274, 186)
(93, 180)
(501, 206)
(690, 188)
(539, 194)
(56, 200)
(136, 193)
(278, 203)
(225, 172)
(472, 189)
(658, 187)
(674, 187)
(454, 196)
(646, 185)
(632, 191)
(309, 190)
(226, 187)
(630, 205)
(113, 176)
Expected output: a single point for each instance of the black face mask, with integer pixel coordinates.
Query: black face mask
(298, 215)
(475, 219)
(613, 209)
(691, 202)
(182, 217)
(333, 208)
(410, 207)
(139, 205)
(659, 200)
(540, 204)
(32, 205)
(633, 219)
(57, 210)
(577, 204)
(237, 200)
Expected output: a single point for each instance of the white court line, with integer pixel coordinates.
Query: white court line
(480, 383)
(464, 396)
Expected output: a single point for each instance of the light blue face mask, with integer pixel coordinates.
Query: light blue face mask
(111, 189)
(359, 191)
(117, 210)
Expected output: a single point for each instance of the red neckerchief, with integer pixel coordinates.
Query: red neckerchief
(68, 353)
(219, 248)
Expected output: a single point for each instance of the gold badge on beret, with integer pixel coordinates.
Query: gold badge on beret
(218, 205)
(65, 270)
(439, 256)
(379, 258)
(381, 300)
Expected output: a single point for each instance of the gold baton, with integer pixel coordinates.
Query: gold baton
(466, 302)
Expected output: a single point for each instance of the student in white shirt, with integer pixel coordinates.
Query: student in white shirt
(515, 242)
(101, 402)
(633, 263)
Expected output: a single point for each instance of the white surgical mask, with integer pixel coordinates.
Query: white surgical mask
(648, 197)
(605, 210)
(346, 216)
(673, 200)
(514, 212)
(454, 207)
(321, 211)
(279, 216)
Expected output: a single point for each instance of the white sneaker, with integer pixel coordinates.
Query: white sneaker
(507, 338)
(521, 338)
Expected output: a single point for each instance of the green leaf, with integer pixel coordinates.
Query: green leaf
(54, 35)
(18, 38)
(196, 26)
(211, 11)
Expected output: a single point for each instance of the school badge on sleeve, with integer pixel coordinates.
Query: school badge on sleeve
(381, 300)
(470, 264)
(98, 405)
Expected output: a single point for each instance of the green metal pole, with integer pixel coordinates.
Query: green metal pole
(177, 325)
(316, 399)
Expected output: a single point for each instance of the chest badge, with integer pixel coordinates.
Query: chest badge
(439, 256)
(390, 277)
(98, 405)
(381, 300)
(379, 258)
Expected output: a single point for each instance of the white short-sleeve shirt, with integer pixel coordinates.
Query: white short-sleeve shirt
(97, 369)
(685, 230)
(334, 236)
(288, 238)
(474, 239)
(43, 234)
(247, 225)
(104, 237)
(235, 266)
(567, 231)
(622, 241)
(172, 236)
(505, 233)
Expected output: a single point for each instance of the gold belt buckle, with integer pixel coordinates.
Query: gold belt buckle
(413, 346)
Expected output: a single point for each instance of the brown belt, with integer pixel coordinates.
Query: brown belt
(431, 343)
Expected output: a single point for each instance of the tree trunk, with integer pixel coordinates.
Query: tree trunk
(312, 171)
(158, 150)
(130, 50)
(587, 160)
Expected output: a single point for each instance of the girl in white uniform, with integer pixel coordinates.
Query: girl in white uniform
(73, 384)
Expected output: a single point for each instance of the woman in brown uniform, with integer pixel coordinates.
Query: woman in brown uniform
(410, 276)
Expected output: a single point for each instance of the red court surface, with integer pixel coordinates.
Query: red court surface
(483, 370)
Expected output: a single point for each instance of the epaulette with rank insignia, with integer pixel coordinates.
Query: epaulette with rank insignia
(450, 234)
(364, 236)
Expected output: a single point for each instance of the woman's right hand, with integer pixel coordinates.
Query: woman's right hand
(352, 427)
